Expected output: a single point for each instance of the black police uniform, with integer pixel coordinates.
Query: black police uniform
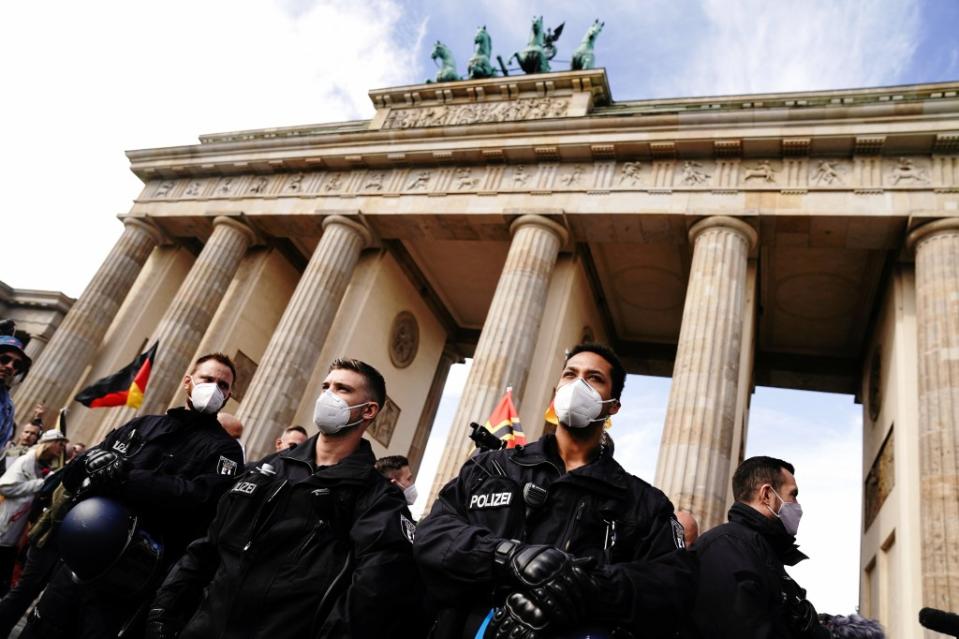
(178, 466)
(645, 578)
(744, 590)
(299, 551)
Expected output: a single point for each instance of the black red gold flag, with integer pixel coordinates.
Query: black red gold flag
(123, 388)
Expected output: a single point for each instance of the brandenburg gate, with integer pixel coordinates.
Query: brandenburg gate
(802, 240)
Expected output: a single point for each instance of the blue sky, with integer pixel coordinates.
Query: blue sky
(83, 82)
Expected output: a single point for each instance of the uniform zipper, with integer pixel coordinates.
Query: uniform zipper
(571, 528)
(262, 515)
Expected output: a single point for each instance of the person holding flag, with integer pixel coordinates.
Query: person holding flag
(555, 539)
(153, 483)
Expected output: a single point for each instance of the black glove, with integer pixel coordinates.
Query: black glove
(519, 618)
(556, 582)
(105, 468)
(158, 627)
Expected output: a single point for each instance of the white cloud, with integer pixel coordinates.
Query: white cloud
(91, 81)
(758, 46)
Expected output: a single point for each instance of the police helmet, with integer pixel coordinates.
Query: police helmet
(105, 546)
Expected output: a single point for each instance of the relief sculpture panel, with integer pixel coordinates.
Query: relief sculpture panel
(861, 174)
(456, 114)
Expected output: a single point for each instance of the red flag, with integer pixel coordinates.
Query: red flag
(504, 422)
(123, 388)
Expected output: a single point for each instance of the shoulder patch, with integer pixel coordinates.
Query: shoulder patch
(679, 533)
(408, 527)
(226, 466)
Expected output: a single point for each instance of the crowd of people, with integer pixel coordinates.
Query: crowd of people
(164, 530)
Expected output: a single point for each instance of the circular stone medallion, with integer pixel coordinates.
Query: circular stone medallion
(404, 339)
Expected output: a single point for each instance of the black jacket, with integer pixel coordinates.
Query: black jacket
(744, 590)
(301, 552)
(598, 511)
(180, 465)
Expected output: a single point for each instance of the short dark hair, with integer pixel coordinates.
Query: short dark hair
(391, 464)
(756, 471)
(374, 379)
(222, 358)
(619, 371)
(296, 429)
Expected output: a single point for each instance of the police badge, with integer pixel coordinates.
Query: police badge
(226, 466)
(408, 527)
(679, 533)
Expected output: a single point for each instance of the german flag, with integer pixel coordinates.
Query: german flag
(504, 422)
(123, 388)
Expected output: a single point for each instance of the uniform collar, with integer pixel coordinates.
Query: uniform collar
(194, 418)
(356, 465)
(772, 530)
(603, 474)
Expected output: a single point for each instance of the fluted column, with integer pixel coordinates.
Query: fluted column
(282, 376)
(505, 347)
(186, 319)
(696, 448)
(76, 340)
(421, 436)
(937, 322)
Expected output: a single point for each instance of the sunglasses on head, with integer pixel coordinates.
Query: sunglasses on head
(7, 359)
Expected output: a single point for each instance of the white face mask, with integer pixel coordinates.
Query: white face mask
(331, 413)
(789, 513)
(410, 493)
(207, 398)
(577, 404)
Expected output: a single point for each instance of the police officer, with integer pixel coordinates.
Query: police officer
(169, 471)
(312, 542)
(555, 538)
(744, 589)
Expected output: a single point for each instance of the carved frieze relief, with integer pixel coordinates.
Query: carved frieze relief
(477, 113)
(861, 174)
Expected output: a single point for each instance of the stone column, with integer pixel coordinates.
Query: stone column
(505, 347)
(186, 319)
(277, 387)
(76, 340)
(937, 322)
(432, 404)
(696, 449)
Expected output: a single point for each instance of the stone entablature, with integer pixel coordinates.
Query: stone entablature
(805, 105)
(509, 99)
(865, 174)
(569, 118)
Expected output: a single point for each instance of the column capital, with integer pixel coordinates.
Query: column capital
(355, 225)
(237, 224)
(724, 221)
(930, 229)
(538, 220)
(145, 225)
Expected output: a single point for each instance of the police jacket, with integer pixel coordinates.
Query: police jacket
(744, 590)
(180, 463)
(299, 551)
(598, 510)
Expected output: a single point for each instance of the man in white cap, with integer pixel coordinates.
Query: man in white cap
(19, 484)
